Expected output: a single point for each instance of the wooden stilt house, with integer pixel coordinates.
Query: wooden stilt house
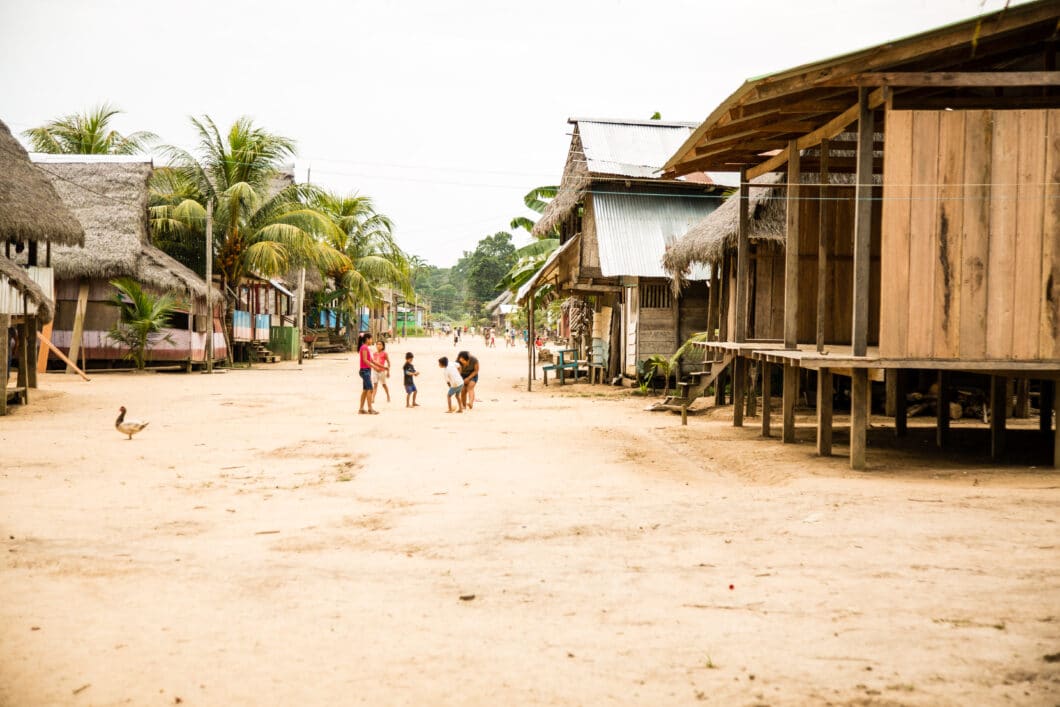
(961, 125)
(32, 219)
(615, 216)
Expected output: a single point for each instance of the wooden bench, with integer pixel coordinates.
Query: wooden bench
(562, 365)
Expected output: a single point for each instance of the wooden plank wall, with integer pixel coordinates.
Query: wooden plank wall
(692, 315)
(838, 203)
(767, 292)
(971, 234)
(655, 329)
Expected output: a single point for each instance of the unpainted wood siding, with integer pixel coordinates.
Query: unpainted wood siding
(767, 292)
(837, 203)
(972, 235)
(590, 247)
(655, 328)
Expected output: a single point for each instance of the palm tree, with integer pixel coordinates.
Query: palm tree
(374, 259)
(87, 133)
(261, 226)
(141, 319)
(536, 200)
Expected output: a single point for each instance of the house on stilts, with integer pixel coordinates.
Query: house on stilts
(32, 220)
(919, 182)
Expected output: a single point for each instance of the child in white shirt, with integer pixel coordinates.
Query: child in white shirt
(455, 381)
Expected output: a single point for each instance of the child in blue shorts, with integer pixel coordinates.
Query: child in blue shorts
(410, 386)
(451, 372)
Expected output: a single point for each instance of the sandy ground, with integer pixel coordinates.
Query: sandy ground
(262, 544)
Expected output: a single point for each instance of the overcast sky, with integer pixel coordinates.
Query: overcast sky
(446, 113)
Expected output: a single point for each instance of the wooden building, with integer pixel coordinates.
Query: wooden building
(108, 196)
(615, 217)
(32, 219)
(961, 126)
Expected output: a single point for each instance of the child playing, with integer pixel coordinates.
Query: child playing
(366, 370)
(451, 373)
(382, 370)
(410, 386)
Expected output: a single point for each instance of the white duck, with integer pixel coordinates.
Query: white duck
(128, 427)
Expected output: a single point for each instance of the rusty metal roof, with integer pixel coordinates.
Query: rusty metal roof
(630, 148)
(633, 230)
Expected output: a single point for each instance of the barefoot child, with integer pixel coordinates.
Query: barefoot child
(368, 366)
(451, 373)
(410, 385)
(381, 371)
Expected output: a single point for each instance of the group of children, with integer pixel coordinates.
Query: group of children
(461, 376)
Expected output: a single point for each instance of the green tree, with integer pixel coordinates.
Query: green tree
(87, 133)
(260, 226)
(141, 319)
(486, 266)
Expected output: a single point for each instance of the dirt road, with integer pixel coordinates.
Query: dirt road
(262, 544)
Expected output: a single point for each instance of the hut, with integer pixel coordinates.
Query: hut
(108, 195)
(961, 126)
(31, 214)
(615, 217)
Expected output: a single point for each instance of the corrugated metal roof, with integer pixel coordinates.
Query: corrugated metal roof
(630, 149)
(633, 230)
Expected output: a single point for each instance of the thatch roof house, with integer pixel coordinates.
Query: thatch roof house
(108, 195)
(706, 242)
(30, 209)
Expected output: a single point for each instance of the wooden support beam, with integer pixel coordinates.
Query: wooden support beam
(739, 386)
(859, 420)
(901, 404)
(42, 353)
(954, 79)
(824, 232)
(719, 389)
(767, 397)
(713, 302)
(827, 131)
(791, 252)
(743, 249)
(864, 205)
(824, 412)
(890, 378)
(998, 403)
(31, 350)
(79, 322)
(24, 360)
(1045, 406)
(791, 394)
(942, 411)
(5, 359)
(726, 295)
(49, 345)
(752, 397)
(1056, 435)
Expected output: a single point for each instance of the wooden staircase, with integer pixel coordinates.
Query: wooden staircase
(259, 353)
(696, 386)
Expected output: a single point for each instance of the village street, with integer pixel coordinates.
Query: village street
(262, 544)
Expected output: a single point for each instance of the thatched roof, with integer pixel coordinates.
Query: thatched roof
(572, 189)
(108, 195)
(705, 243)
(30, 210)
(314, 281)
(18, 278)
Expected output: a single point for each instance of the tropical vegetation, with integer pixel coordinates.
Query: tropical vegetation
(142, 318)
(87, 133)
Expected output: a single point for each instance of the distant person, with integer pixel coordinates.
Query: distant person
(410, 373)
(367, 366)
(456, 336)
(382, 372)
(469, 374)
(493, 339)
(451, 373)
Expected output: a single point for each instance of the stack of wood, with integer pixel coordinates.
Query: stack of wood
(964, 402)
